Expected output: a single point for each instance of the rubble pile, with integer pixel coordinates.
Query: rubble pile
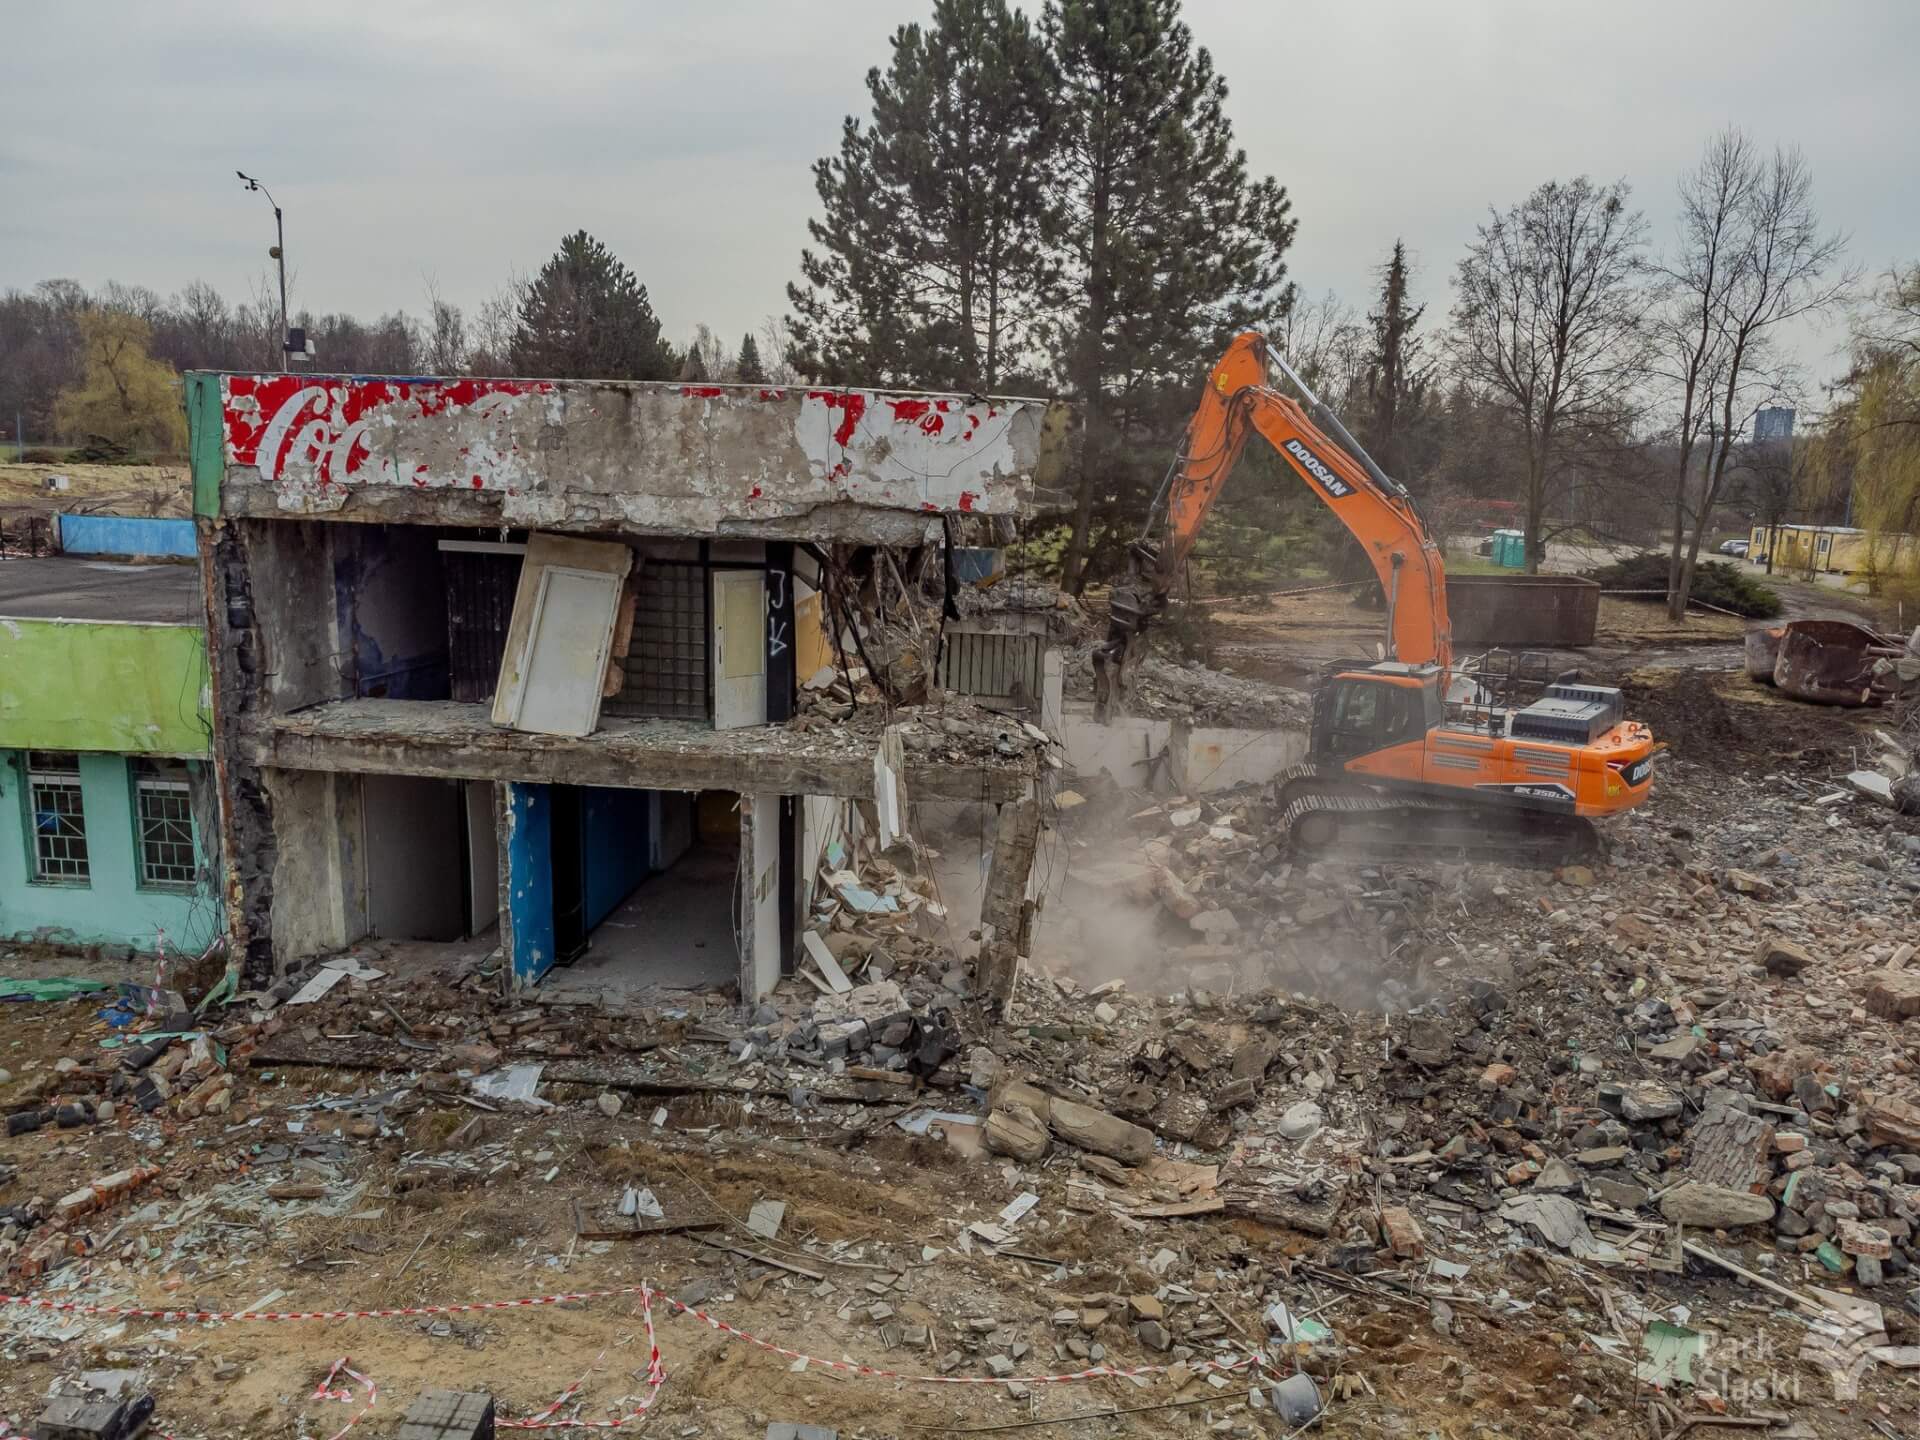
(1209, 876)
(1894, 780)
(1421, 1135)
(1162, 687)
(955, 730)
(1646, 1071)
(148, 1055)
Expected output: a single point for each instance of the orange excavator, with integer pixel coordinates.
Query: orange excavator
(1406, 755)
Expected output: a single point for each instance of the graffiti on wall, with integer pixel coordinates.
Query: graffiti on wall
(314, 439)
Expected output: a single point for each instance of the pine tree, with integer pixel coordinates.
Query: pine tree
(747, 369)
(1396, 370)
(929, 261)
(585, 316)
(1170, 246)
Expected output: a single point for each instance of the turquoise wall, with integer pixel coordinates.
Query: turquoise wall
(111, 908)
(127, 535)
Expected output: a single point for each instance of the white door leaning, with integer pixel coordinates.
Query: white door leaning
(567, 652)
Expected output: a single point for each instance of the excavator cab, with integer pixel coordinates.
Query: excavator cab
(1361, 711)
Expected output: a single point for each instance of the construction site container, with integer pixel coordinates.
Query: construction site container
(1836, 549)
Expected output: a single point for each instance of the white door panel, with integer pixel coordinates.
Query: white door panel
(739, 649)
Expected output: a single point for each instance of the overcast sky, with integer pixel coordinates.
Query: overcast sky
(458, 142)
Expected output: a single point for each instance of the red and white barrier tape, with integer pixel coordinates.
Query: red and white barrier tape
(345, 1393)
(655, 1373)
(324, 1391)
(656, 1377)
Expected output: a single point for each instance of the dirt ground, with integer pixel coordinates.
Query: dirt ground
(111, 489)
(876, 1222)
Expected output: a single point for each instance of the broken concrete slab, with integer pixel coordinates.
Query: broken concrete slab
(1894, 994)
(1891, 1120)
(1714, 1207)
(1558, 1221)
(1730, 1148)
(1781, 957)
(1078, 1124)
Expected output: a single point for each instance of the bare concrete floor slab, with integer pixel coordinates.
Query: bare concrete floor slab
(454, 740)
(674, 932)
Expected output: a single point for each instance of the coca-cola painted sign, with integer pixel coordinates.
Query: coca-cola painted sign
(666, 456)
(341, 432)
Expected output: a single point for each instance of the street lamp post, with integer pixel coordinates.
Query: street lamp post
(279, 254)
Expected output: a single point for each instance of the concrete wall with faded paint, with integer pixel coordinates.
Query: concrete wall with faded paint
(1207, 758)
(124, 686)
(578, 455)
(318, 897)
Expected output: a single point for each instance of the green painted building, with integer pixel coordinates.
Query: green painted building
(107, 820)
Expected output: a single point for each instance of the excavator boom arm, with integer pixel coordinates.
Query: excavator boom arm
(1379, 513)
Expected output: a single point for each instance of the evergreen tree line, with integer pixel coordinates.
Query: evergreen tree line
(1046, 206)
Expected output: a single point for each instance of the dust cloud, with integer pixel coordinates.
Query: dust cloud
(1332, 932)
(1297, 932)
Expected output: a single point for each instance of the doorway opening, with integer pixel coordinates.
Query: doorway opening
(429, 858)
(645, 888)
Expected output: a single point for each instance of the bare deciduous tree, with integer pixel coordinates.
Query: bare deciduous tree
(1689, 348)
(492, 331)
(706, 358)
(443, 340)
(776, 351)
(1547, 323)
(1751, 258)
(1326, 341)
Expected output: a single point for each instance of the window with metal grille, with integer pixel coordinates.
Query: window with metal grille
(163, 824)
(58, 817)
(666, 665)
(997, 670)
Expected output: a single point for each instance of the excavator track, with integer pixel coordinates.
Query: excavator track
(1323, 817)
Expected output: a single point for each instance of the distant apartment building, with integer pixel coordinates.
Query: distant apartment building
(1773, 422)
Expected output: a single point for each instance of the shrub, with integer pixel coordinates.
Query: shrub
(103, 450)
(1715, 582)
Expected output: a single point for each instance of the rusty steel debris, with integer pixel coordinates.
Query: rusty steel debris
(1763, 651)
(1830, 662)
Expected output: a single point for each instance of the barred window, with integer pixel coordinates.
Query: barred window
(666, 666)
(58, 817)
(163, 819)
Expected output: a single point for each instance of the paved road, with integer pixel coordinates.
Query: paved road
(58, 588)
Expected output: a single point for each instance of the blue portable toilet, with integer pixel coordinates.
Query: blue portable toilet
(1510, 549)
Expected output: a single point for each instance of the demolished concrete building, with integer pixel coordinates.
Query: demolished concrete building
(527, 654)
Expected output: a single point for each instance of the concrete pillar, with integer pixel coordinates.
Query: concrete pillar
(1006, 914)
